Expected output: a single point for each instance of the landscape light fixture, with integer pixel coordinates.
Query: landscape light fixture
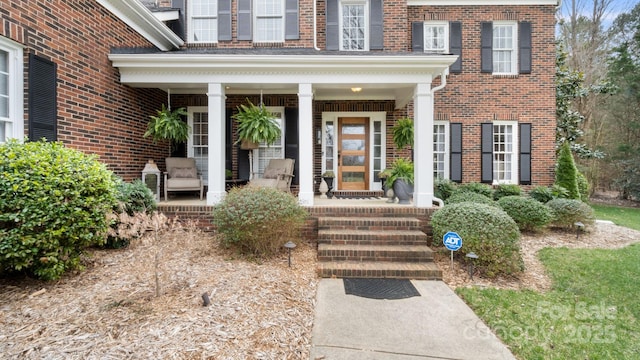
(579, 227)
(471, 269)
(289, 245)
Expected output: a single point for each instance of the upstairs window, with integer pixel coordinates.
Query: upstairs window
(354, 26)
(505, 53)
(269, 21)
(203, 21)
(436, 37)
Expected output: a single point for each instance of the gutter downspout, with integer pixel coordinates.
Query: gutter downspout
(315, 25)
(443, 83)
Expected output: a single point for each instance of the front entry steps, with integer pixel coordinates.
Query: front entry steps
(374, 247)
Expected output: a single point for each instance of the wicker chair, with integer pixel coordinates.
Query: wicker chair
(278, 174)
(182, 175)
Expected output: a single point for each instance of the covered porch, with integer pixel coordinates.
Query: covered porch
(310, 78)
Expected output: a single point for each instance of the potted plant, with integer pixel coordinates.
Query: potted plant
(256, 124)
(328, 176)
(401, 179)
(403, 133)
(168, 125)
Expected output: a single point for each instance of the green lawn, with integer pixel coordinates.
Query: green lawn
(623, 216)
(592, 312)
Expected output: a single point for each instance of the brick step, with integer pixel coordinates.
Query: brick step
(369, 237)
(382, 269)
(409, 253)
(368, 223)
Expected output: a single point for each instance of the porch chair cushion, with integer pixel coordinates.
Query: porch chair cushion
(278, 174)
(182, 175)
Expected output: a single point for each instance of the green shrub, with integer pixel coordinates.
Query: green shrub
(133, 198)
(486, 231)
(54, 202)
(545, 194)
(479, 188)
(443, 188)
(583, 186)
(258, 221)
(566, 212)
(466, 196)
(506, 190)
(566, 171)
(528, 213)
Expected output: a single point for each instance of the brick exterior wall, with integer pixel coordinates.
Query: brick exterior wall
(470, 97)
(96, 114)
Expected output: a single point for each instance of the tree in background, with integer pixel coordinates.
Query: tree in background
(624, 106)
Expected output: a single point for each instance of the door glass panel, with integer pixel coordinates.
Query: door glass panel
(350, 160)
(352, 176)
(353, 144)
(353, 129)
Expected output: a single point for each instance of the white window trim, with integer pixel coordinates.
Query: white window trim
(373, 116)
(190, 25)
(447, 148)
(282, 19)
(366, 22)
(15, 122)
(514, 152)
(445, 24)
(190, 146)
(514, 52)
(257, 153)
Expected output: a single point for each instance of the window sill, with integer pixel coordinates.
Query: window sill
(506, 76)
(268, 44)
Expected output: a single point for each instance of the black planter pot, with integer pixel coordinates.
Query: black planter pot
(329, 181)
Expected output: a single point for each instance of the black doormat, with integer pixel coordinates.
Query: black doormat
(390, 289)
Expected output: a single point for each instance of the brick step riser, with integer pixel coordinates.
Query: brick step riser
(397, 274)
(370, 241)
(413, 258)
(376, 227)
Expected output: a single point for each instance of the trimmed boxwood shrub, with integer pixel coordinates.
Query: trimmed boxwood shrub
(566, 212)
(54, 202)
(506, 190)
(528, 213)
(466, 196)
(133, 198)
(258, 221)
(487, 231)
(444, 188)
(479, 188)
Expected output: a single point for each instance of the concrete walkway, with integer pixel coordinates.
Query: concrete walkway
(436, 325)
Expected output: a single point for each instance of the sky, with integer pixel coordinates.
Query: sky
(616, 8)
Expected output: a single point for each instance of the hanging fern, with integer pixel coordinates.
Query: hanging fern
(256, 124)
(168, 125)
(403, 133)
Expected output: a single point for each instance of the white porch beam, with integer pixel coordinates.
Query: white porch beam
(305, 141)
(216, 161)
(423, 146)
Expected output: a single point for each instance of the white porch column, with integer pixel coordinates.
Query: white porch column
(216, 191)
(423, 146)
(305, 144)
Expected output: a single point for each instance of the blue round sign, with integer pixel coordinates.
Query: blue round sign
(452, 241)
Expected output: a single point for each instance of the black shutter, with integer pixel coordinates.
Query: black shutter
(224, 20)
(525, 154)
(228, 139)
(43, 110)
(455, 166)
(242, 159)
(487, 153)
(291, 143)
(179, 25)
(376, 31)
(291, 22)
(524, 43)
(486, 44)
(417, 36)
(455, 45)
(244, 20)
(333, 24)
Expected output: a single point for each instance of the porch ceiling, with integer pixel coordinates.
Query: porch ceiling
(381, 77)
